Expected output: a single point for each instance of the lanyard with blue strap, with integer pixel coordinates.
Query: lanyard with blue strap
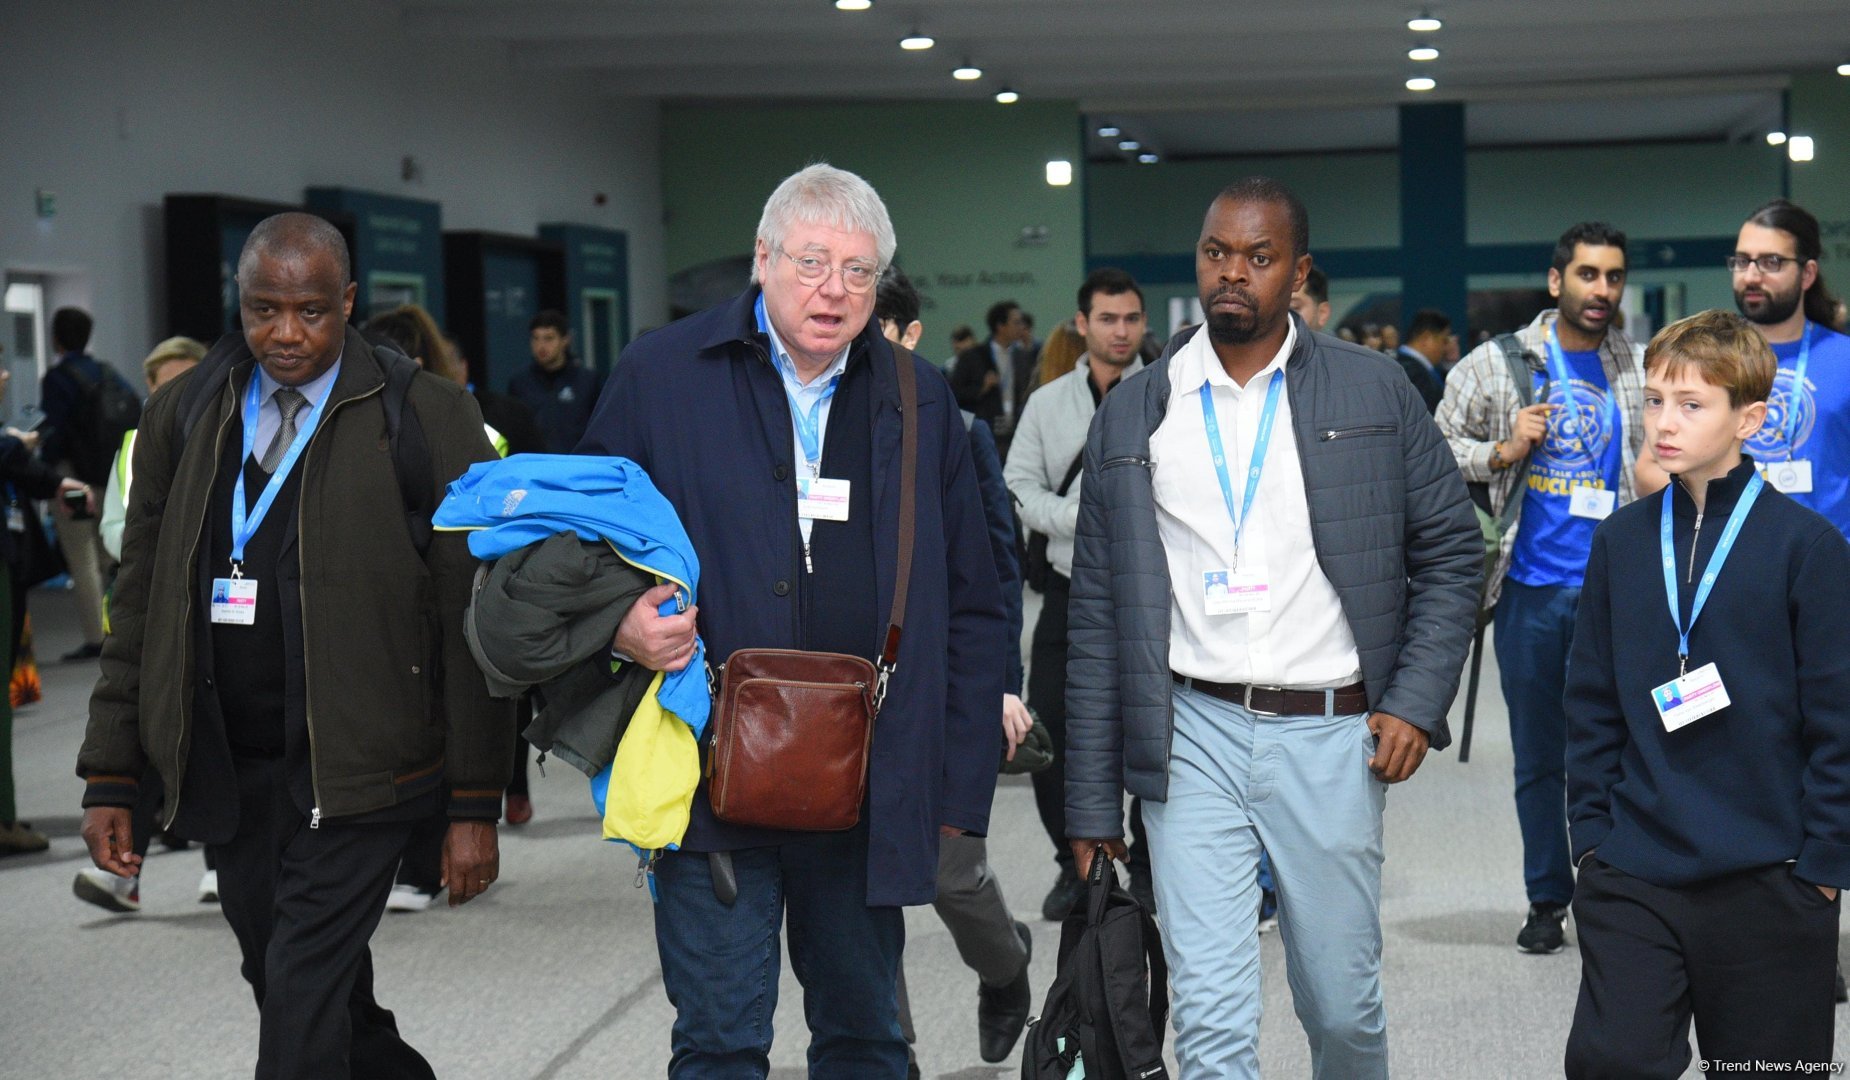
(808, 426)
(1709, 573)
(244, 525)
(1260, 441)
(1561, 373)
(1790, 427)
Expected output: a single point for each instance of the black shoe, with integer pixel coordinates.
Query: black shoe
(1843, 993)
(82, 652)
(1063, 896)
(1545, 930)
(1002, 1011)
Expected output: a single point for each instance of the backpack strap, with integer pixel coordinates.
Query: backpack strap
(201, 387)
(1517, 359)
(410, 449)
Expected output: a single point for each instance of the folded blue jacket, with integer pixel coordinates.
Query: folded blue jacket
(526, 498)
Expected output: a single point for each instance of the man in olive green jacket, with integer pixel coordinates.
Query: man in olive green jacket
(289, 662)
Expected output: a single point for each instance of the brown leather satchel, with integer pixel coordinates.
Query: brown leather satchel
(792, 729)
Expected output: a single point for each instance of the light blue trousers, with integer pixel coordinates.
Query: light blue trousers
(1300, 786)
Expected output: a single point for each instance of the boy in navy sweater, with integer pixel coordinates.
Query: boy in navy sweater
(1708, 752)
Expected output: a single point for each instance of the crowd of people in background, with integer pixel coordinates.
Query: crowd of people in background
(1380, 499)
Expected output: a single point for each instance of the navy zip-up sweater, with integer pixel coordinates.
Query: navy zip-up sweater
(1765, 780)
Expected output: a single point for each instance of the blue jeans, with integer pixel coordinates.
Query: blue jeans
(720, 964)
(1300, 786)
(1535, 627)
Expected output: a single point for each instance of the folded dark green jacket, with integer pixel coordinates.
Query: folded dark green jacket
(543, 618)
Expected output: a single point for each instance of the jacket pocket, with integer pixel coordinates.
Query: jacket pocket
(1332, 434)
(1122, 461)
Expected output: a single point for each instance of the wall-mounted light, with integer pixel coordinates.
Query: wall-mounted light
(916, 42)
(1108, 131)
(1799, 148)
(1421, 84)
(1005, 96)
(967, 73)
(1776, 138)
(1424, 23)
(1423, 53)
(1059, 173)
(853, 5)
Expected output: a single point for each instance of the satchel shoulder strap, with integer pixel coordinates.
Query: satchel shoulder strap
(908, 512)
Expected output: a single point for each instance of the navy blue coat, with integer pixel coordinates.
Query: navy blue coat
(700, 406)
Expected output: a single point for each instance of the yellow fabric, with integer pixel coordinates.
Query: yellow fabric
(653, 778)
(125, 463)
(496, 439)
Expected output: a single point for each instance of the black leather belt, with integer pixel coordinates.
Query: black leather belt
(1279, 701)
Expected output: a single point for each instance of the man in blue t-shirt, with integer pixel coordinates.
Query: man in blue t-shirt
(1569, 456)
(1804, 448)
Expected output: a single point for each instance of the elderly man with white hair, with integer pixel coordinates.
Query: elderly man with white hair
(785, 430)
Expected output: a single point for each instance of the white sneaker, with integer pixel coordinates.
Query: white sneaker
(408, 898)
(208, 887)
(111, 892)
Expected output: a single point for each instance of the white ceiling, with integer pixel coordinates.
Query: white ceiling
(1200, 77)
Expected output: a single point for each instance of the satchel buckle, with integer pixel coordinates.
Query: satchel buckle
(880, 681)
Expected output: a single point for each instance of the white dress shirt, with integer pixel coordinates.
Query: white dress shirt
(1304, 640)
(804, 395)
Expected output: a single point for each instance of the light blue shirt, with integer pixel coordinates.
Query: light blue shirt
(270, 415)
(804, 396)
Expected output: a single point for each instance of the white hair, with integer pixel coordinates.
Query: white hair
(824, 195)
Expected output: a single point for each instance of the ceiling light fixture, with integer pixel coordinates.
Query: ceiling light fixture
(1421, 84)
(1843, 69)
(1109, 131)
(1005, 96)
(968, 73)
(1148, 159)
(1799, 148)
(1776, 138)
(1129, 144)
(853, 5)
(916, 42)
(1423, 53)
(1424, 23)
(1059, 173)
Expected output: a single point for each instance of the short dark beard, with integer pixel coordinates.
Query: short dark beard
(1226, 328)
(1775, 310)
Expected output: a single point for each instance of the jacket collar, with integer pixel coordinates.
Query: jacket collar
(1615, 349)
(737, 324)
(360, 373)
(1723, 493)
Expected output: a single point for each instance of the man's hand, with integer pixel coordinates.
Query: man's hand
(1528, 427)
(1399, 748)
(30, 438)
(1082, 854)
(471, 860)
(951, 830)
(1016, 722)
(68, 485)
(656, 641)
(110, 837)
(1829, 893)
(991, 380)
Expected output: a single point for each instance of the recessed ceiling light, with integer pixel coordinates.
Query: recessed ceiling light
(1423, 53)
(1109, 131)
(1424, 23)
(1420, 84)
(1129, 144)
(1799, 148)
(1843, 69)
(1776, 138)
(1148, 159)
(1005, 96)
(1059, 173)
(916, 42)
(853, 5)
(967, 73)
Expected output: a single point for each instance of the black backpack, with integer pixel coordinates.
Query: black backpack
(1108, 1007)
(410, 450)
(107, 410)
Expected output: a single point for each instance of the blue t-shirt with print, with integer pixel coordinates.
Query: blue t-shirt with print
(1819, 418)
(1584, 445)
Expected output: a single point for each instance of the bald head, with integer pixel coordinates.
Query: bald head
(294, 296)
(294, 237)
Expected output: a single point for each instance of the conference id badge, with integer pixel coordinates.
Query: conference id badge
(820, 499)
(1791, 477)
(16, 519)
(1229, 592)
(1690, 698)
(1586, 501)
(234, 601)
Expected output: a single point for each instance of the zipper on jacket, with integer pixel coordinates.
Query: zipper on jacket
(1145, 462)
(186, 612)
(1367, 429)
(308, 683)
(1690, 575)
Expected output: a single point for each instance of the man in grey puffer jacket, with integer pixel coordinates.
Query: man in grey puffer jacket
(1274, 587)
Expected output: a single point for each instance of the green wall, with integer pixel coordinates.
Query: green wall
(960, 180)
(1820, 107)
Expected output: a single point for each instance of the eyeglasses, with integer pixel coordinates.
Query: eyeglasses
(856, 277)
(1768, 264)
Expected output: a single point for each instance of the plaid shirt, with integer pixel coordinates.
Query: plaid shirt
(1481, 402)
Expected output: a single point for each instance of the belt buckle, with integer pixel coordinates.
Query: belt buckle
(1247, 700)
